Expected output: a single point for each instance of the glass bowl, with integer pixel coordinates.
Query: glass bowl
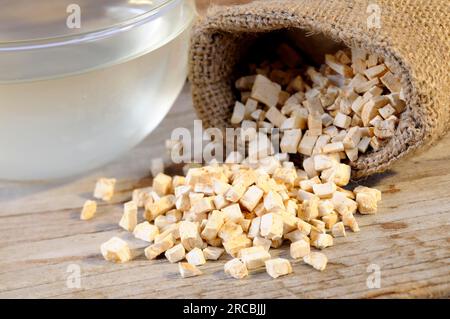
(83, 82)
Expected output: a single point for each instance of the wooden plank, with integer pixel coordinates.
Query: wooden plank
(41, 236)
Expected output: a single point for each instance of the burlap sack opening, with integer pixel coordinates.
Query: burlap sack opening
(413, 37)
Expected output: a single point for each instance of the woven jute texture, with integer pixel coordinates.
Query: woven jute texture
(414, 37)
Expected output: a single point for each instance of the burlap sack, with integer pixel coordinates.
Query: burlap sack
(414, 37)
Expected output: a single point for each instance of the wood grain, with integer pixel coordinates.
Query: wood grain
(41, 235)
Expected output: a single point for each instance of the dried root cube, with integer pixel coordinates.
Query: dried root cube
(276, 243)
(233, 213)
(183, 202)
(376, 143)
(350, 221)
(342, 173)
(289, 222)
(236, 269)
(116, 250)
(182, 190)
(272, 226)
(275, 117)
(325, 190)
(178, 181)
(104, 189)
(315, 124)
(153, 251)
(308, 166)
(89, 210)
(204, 188)
(173, 216)
(387, 111)
(290, 141)
(262, 242)
(338, 230)
(342, 57)
(187, 270)
(307, 143)
(339, 137)
(204, 205)
(341, 120)
(251, 197)
(213, 253)
(330, 220)
(333, 148)
(318, 225)
(162, 184)
(352, 138)
(175, 254)
(278, 267)
(254, 257)
(220, 201)
(296, 235)
(195, 257)
(294, 122)
(265, 91)
(363, 145)
(338, 67)
(234, 245)
(146, 231)
(364, 189)
(352, 154)
(397, 103)
(370, 109)
(322, 241)
(285, 175)
(129, 217)
(300, 249)
(229, 230)
(310, 209)
(245, 224)
(250, 106)
(326, 207)
(365, 86)
(375, 71)
(235, 193)
(307, 185)
(215, 221)
(317, 78)
(317, 260)
(238, 113)
(189, 235)
(367, 203)
(245, 83)
(160, 207)
(141, 195)
(385, 129)
(372, 60)
(273, 201)
(216, 242)
(254, 228)
(391, 82)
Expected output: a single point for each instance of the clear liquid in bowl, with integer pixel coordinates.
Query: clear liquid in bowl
(55, 125)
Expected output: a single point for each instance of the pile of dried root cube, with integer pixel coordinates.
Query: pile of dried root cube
(244, 208)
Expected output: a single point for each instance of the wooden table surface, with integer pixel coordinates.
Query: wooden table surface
(42, 238)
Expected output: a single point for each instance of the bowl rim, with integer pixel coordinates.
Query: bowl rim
(93, 35)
